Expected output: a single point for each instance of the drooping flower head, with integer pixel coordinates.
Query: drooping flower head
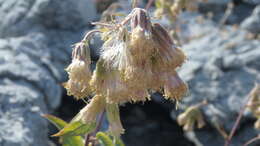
(168, 54)
(79, 72)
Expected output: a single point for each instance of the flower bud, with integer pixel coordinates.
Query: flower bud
(257, 124)
(188, 126)
(254, 102)
(191, 116)
(79, 72)
(90, 112)
(182, 119)
(115, 125)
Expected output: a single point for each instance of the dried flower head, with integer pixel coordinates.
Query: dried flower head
(190, 117)
(79, 72)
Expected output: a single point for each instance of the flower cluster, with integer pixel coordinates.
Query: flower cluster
(135, 60)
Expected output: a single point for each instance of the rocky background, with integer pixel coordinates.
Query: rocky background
(35, 46)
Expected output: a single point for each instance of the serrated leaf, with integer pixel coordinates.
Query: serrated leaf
(76, 128)
(104, 139)
(59, 123)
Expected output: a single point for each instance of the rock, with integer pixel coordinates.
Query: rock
(252, 23)
(241, 10)
(23, 16)
(20, 124)
(254, 2)
(223, 66)
(35, 47)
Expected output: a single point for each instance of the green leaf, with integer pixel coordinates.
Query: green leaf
(158, 4)
(119, 142)
(104, 139)
(59, 123)
(76, 128)
(119, 14)
(66, 140)
(72, 141)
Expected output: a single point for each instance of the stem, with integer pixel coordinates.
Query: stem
(87, 36)
(87, 138)
(134, 3)
(149, 4)
(100, 121)
(234, 128)
(102, 24)
(252, 140)
(202, 103)
(228, 12)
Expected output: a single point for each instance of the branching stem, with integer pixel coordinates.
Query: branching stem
(87, 36)
(234, 128)
(252, 140)
(149, 4)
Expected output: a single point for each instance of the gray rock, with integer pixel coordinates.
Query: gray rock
(240, 11)
(252, 23)
(23, 16)
(35, 47)
(254, 2)
(223, 66)
(20, 109)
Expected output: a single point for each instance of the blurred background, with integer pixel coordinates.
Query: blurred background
(220, 37)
